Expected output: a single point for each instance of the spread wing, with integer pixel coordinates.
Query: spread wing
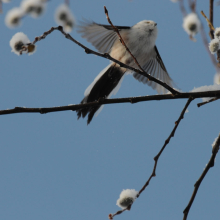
(102, 37)
(156, 68)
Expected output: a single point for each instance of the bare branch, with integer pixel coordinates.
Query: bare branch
(156, 158)
(210, 164)
(131, 100)
(211, 100)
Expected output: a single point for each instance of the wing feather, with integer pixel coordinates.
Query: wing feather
(156, 68)
(102, 37)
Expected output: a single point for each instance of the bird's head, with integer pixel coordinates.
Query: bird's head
(148, 26)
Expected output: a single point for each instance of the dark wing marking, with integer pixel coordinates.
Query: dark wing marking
(102, 88)
(159, 59)
(109, 27)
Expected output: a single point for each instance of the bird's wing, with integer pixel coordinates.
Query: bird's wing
(102, 37)
(156, 68)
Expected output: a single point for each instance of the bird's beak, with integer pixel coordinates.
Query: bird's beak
(155, 24)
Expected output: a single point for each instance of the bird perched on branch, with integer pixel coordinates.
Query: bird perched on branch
(140, 39)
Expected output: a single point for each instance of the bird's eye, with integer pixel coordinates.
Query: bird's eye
(148, 22)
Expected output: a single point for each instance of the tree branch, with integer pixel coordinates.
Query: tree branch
(198, 182)
(131, 100)
(156, 158)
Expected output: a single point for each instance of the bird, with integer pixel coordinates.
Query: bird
(140, 39)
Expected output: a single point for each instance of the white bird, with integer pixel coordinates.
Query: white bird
(140, 39)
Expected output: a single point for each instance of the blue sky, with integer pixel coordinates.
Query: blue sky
(54, 166)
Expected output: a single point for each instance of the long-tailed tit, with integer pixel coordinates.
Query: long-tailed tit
(140, 39)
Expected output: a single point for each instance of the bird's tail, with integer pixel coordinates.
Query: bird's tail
(107, 83)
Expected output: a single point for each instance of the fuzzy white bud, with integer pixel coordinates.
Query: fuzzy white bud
(191, 24)
(34, 8)
(13, 17)
(18, 41)
(217, 33)
(65, 18)
(214, 45)
(126, 198)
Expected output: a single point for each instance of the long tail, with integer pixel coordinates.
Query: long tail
(104, 85)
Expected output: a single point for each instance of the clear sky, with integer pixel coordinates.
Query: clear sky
(54, 166)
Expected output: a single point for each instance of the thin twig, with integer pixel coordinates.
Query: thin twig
(211, 100)
(211, 32)
(106, 56)
(131, 100)
(166, 142)
(156, 158)
(198, 182)
(209, 23)
(121, 39)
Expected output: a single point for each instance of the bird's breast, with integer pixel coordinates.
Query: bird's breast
(139, 45)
